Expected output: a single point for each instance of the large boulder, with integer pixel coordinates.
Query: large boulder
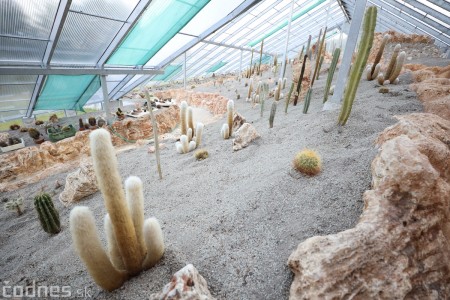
(79, 184)
(244, 136)
(400, 247)
(186, 284)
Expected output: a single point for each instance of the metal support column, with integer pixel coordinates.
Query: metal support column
(184, 71)
(283, 65)
(105, 98)
(352, 38)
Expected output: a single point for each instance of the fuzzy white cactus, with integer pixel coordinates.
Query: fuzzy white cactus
(225, 131)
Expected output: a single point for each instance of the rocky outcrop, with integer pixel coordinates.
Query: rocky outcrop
(215, 103)
(244, 136)
(400, 247)
(32, 164)
(296, 69)
(79, 184)
(433, 88)
(186, 284)
(238, 121)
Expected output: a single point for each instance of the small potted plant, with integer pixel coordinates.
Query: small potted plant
(38, 122)
(14, 127)
(13, 143)
(101, 123)
(92, 122)
(81, 124)
(36, 135)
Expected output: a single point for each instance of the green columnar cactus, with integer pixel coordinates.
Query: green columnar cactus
(260, 57)
(273, 110)
(398, 67)
(288, 99)
(392, 62)
(370, 20)
(284, 83)
(316, 53)
(373, 71)
(183, 114)
(300, 79)
(48, 215)
(331, 70)
(133, 249)
(307, 100)
(319, 54)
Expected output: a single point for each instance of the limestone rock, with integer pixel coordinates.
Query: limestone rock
(79, 184)
(399, 248)
(244, 136)
(4, 136)
(186, 284)
(238, 121)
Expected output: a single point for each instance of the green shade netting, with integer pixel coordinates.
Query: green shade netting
(169, 71)
(285, 23)
(159, 23)
(67, 92)
(216, 67)
(264, 60)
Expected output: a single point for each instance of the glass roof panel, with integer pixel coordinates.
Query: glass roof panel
(21, 50)
(32, 19)
(14, 105)
(82, 38)
(161, 21)
(174, 44)
(116, 9)
(16, 92)
(5, 79)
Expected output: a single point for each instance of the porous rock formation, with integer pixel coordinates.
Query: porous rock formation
(432, 85)
(79, 184)
(214, 102)
(244, 136)
(186, 284)
(32, 164)
(400, 247)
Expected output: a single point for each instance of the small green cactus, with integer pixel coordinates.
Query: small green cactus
(48, 215)
(34, 133)
(15, 205)
(307, 162)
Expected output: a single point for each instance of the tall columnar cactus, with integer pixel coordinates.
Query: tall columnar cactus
(308, 47)
(372, 72)
(331, 70)
(260, 57)
(301, 54)
(250, 90)
(230, 113)
(307, 100)
(284, 83)
(225, 131)
(398, 67)
(48, 215)
(288, 98)
(365, 45)
(300, 79)
(319, 54)
(273, 110)
(155, 132)
(320, 66)
(199, 133)
(133, 245)
(278, 90)
(250, 66)
(190, 112)
(183, 115)
(392, 62)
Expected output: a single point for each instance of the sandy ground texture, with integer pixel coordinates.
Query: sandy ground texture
(236, 216)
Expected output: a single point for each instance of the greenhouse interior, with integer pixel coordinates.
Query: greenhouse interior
(239, 149)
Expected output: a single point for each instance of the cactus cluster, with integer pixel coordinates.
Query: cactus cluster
(307, 162)
(394, 68)
(370, 19)
(188, 141)
(47, 213)
(134, 245)
(372, 71)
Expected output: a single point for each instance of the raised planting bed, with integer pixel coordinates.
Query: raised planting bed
(56, 134)
(13, 147)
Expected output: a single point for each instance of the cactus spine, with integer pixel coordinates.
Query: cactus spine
(183, 113)
(372, 73)
(300, 79)
(48, 215)
(366, 42)
(230, 113)
(332, 69)
(273, 110)
(288, 99)
(123, 224)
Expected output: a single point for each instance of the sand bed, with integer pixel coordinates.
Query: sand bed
(236, 216)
